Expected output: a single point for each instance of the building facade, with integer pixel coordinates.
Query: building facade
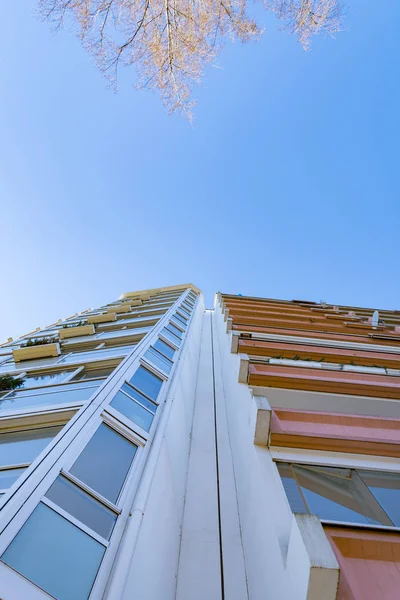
(156, 449)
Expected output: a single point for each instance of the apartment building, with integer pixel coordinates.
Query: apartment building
(155, 449)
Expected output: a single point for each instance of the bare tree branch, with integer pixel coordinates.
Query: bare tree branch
(171, 41)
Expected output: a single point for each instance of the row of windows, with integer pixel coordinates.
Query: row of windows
(62, 544)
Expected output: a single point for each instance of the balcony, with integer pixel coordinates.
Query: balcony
(324, 380)
(76, 331)
(36, 351)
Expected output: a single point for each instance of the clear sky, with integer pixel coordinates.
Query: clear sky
(287, 185)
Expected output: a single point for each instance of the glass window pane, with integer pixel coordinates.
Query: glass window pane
(170, 336)
(174, 330)
(82, 506)
(92, 373)
(97, 354)
(46, 379)
(22, 447)
(104, 462)
(146, 382)
(292, 489)
(158, 360)
(134, 411)
(332, 497)
(130, 391)
(386, 489)
(9, 476)
(164, 349)
(53, 395)
(56, 555)
(181, 320)
(177, 321)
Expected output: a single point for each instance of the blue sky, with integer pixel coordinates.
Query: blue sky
(287, 184)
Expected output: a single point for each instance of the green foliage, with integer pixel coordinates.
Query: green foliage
(7, 382)
(39, 341)
(78, 324)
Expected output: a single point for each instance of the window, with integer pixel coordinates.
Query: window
(44, 379)
(61, 545)
(56, 555)
(104, 463)
(82, 506)
(57, 394)
(173, 329)
(184, 310)
(18, 449)
(76, 357)
(171, 336)
(158, 360)
(146, 382)
(94, 373)
(177, 323)
(341, 494)
(134, 406)
(182, 321)
(164, 348)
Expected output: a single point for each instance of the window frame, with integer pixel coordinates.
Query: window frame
(312, 458)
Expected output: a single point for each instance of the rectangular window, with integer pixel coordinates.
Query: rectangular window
(19, 448)
(44, 379)
(178, 323)
(104, 463)
(74, 392)
(173, 329)
(82, 506)
(134, 406)
(76, 357)
(146, 382)
(171, 336)
(56, 555)
(165, 349)
(343, 495)
(181, 320)
(184, 310)
(158, 360)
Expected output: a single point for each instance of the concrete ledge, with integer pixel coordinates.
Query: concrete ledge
(104, 318)
(243, 368)
(262, 420)
(75, 331)
(235, 343)
(311, 563)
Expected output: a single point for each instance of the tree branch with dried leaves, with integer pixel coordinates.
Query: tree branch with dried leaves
(171, 41)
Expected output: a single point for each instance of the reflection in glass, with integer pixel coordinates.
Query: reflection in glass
(82, 506)
(56, 555)
(170, 336)
(171, 327)
(45, 379)
(164, 349)
(146, 382)
(105, 462)
(386, 489)
(73, 392)
(134, 411)
(332, 493)
(22, 447)
(9, 476)
(158, 360)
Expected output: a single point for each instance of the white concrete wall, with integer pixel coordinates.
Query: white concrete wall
(146, 566)
(277, 559)
(199, 575)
